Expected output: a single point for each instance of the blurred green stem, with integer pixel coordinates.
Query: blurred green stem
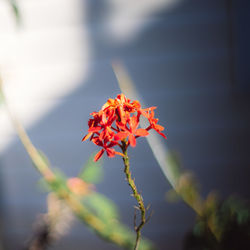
(15, 9)
(103, 230)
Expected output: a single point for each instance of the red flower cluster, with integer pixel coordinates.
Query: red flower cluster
(117, 121)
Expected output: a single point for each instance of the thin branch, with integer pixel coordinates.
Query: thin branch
(136, 194)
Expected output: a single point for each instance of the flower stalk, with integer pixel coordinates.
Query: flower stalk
(117, 124)
(136, 194)
(162, 154)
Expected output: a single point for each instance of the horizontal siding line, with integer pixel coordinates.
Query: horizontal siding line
(212, 55)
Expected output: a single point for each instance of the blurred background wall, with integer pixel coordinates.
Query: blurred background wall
(190, 58)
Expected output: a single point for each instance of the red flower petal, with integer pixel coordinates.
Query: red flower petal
(161, 134)
(97, 141)
(141, 132)
(110, 152)
(112, 144)
(121, 115)
(120, 136)
(121, 126)
(86, 136)
(94, 129)
(133, 123)
(118, 153)
(118, 119)
(99, 155)
(136, 104)
(158, 127)
(132, 140)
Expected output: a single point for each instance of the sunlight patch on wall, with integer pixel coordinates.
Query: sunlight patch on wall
(43, 60)
(127, 17)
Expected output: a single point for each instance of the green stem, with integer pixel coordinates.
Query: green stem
(136, 194)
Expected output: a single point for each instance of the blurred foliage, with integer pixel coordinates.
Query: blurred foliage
(186, 186)
(174, 163)
(95, 203)
(219, 225)
(92, 171)
(231, 218)
(51, 226)
(59, 184)
(107, 211)
(102, 207)
(173, 196)
(15, 10)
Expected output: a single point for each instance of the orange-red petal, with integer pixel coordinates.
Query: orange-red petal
(158, 127)
(86, 136)
(141, 132)
(94, 129)
(112, 144)
(118, 153)
(97, 141)
(110, 152)
(120, 136)
(99, 155)
(132, 140)
(162, 134)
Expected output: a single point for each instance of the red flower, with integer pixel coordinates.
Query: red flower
(153, 124)
(117, 121)
(131, 132)
(93, 124)
(106, 147)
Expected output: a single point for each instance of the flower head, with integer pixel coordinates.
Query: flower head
(117, 122)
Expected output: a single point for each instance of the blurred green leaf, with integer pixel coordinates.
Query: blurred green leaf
(235, 207)
(103, 207)
(15, 10)
(199, 228)
(92, 171)
(60, 181)
(172, 196)
(174, 164)
(57, 185)
(43, 186)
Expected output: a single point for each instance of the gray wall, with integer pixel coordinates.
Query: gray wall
(186, 62)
